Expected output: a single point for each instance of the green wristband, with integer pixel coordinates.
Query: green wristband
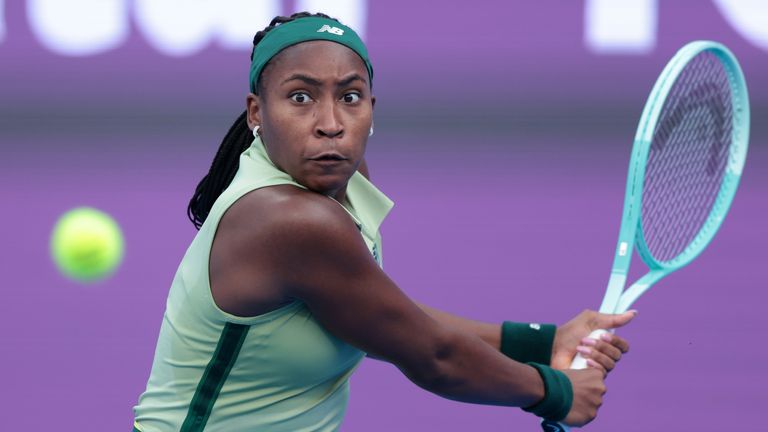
(524, 342)
(558, 394)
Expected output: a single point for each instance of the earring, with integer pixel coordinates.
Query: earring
(370, 133)
(256, 131)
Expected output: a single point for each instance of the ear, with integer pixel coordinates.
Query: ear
(373, 102)
(253, 106)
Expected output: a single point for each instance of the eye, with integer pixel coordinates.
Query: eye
(301, 97)
(351, 98)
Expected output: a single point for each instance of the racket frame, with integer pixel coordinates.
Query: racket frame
(617, 300)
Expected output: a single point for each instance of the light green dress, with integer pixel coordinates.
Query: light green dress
(280, 371)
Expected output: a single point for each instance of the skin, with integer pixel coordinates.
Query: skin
(304, 114)
(315, 101)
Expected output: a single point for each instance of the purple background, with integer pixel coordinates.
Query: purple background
(504, 143)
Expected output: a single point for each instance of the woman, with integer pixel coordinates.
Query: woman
(281, 293)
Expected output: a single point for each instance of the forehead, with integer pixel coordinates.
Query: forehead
(324, 59)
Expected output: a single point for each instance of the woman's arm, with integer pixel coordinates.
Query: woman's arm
(317, 255)
(309, 249)
(488, 332)
(568, 338)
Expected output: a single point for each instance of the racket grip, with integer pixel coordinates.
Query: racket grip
(579, 362)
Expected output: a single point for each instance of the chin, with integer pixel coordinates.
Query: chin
(327, 185)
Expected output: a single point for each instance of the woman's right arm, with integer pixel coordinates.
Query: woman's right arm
(316, 254)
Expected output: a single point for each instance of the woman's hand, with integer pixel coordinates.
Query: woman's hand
(588, 391)
(602, 354)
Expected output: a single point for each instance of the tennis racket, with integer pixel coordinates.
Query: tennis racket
(687, 159)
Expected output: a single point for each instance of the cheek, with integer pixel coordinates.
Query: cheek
(358, 125)
(282, 136)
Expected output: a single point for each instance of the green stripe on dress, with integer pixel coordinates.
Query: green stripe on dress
(215, 375)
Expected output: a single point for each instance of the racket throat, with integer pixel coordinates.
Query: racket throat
(638, 288)
(613, 292)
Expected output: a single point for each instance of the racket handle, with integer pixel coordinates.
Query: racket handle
(579, 362)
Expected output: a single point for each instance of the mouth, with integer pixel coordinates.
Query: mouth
(328, 157)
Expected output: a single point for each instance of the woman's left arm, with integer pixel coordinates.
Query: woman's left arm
(488, 332)
(570, 338)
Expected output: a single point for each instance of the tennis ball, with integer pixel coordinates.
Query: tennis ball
(86, 244)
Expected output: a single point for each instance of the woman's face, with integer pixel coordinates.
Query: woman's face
(315, 110)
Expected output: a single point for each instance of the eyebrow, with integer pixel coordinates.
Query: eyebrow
(317, 83)
(347, 81)
(304, 78)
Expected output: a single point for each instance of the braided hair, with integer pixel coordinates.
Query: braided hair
(236, 141)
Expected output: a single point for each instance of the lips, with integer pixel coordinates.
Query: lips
(328, 157)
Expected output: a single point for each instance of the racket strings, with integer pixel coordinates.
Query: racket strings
(687, 158)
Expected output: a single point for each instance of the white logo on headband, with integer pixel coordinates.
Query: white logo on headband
(329, 29)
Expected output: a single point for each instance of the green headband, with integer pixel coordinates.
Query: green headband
(303, 30)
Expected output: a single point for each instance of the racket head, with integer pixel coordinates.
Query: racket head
(690, 149)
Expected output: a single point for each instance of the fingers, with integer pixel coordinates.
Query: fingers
(603, 354)
(592, 364)
(605, 346)
(611, 321)
(597, 360)
(588, 391)
(617, 341)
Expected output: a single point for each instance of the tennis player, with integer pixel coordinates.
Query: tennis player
(281, 293)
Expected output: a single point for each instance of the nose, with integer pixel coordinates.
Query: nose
(328, 123)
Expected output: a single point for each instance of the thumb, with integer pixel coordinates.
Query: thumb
(611, 321)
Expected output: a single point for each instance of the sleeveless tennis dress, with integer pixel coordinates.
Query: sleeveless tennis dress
(280, 371)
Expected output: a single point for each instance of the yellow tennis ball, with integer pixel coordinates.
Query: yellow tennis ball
(87, 244)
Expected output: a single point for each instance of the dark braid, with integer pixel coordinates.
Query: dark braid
(223, 169)
(237, 140)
